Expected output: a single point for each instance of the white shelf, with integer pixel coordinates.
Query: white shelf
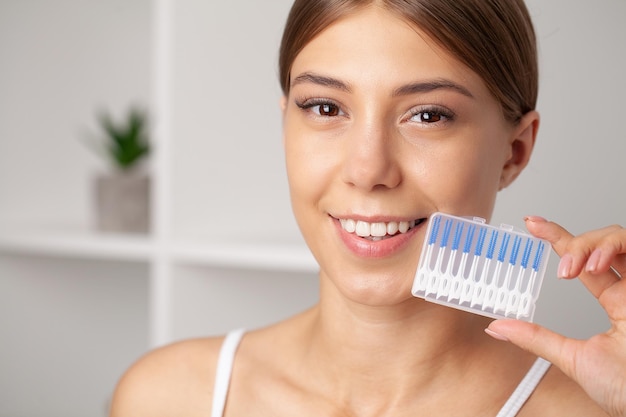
(76, 244)
(264, 256)
(89, 244)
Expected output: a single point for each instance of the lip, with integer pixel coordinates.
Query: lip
(369, 249)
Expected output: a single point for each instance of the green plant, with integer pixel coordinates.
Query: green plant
(126, 142)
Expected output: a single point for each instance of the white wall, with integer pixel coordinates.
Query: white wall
(226, 108)
(62, 347)
(576, 176)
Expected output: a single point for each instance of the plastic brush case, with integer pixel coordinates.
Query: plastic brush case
(473, 266)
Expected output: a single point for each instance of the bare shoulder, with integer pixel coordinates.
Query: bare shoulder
(558, 395)
(176, 379)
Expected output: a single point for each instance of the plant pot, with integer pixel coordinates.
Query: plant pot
(122, 202)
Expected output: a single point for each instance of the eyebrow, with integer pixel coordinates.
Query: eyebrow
(408, 89)
(433, 85)
(309, 77)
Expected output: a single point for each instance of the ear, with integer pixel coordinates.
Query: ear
(283, 104)
(521, 142)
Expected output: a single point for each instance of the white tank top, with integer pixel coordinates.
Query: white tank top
(231, 342)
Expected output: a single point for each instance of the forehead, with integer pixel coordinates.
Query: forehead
(373, 46)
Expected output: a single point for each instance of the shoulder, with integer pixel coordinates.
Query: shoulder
(558, 394)
(176, 379)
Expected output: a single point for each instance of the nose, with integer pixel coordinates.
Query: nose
(371, 159)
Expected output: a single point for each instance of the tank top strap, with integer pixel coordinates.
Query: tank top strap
(525, 388)
(225, 362)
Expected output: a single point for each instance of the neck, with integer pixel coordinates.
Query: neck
(394, 354)
(416, 329)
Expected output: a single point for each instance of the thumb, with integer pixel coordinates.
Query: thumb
(537, 340)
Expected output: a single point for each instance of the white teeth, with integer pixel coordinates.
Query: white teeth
(363, 228)
(348, 225)
(392, 228)
(376, 230)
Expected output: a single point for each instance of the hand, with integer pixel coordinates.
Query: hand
(598, 364)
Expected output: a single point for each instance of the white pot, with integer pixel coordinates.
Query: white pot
(122, 202)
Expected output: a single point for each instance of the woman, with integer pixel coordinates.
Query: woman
(394, 110)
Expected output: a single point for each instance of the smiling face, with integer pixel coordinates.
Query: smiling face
(382, 128)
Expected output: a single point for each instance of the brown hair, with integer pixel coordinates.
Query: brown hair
(494, 38)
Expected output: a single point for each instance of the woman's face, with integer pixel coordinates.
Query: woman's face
(382, 128)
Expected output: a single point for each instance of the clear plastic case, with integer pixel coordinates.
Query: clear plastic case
(473, 266)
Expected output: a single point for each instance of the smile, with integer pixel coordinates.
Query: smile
(378, 230)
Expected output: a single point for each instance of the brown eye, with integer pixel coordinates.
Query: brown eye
(328, 110)
(428, 117)
(321, 107)
(432, 115)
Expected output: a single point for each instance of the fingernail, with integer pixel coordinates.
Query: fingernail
(535, 219)
(565, 266)
(593, 261)
(495, 335)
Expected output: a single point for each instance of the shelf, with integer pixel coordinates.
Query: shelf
(90, 244)
(75, 243)
(260, 256)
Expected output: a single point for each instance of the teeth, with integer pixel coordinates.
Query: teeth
(363, 228)
(392, 228)
(376, 230)
(348, 225)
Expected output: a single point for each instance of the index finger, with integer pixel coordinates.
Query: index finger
(575, 253)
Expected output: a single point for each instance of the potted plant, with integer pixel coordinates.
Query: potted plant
(122, 194)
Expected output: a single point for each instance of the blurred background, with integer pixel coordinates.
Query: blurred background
(80, 300)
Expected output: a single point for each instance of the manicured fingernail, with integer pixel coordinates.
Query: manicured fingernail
(565, 266)
(593, 261)
(535, 219)
(496, 335)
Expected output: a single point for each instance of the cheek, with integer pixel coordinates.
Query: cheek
(463, 180)
(308, 171)
(297, 171)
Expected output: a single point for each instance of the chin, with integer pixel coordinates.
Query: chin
(376, 289)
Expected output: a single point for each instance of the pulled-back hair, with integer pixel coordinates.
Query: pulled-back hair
(494, 38)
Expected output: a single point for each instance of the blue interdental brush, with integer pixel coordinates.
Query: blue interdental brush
(526, 302)
(480, 285)
(456, 242)
(455, 277)
(466, 290)
(478, 251)
(433, 283)
(432, 239)
(516, 295)
(492, 287)
(502, 296)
